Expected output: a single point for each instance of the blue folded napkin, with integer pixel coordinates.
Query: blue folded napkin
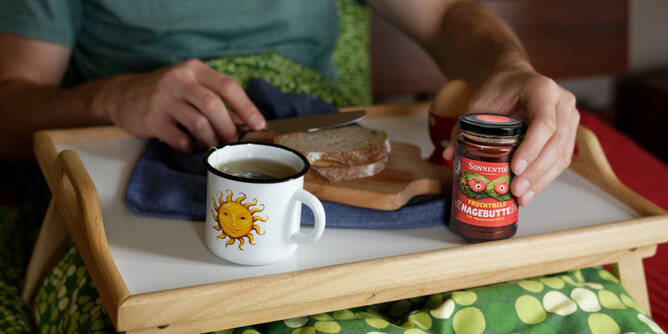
(164, 183)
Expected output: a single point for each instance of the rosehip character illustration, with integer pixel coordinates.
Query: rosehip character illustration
(473, 185)
(501, 187)
(478, 186)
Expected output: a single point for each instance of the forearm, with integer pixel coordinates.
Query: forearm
(471, 43)
(466, 40)
(27, 107)
(172, 104)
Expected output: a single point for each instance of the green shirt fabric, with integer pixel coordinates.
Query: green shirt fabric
(110, 37)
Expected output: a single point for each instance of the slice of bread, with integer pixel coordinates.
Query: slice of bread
(349, 145)
(340, 173)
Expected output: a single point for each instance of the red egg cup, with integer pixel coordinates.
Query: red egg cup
(440, 128)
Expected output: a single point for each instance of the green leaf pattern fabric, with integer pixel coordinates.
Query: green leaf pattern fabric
(351, 59)
(68, 301)
(19, 226)
(582, 301)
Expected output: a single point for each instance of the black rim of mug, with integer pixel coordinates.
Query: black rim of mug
(217, 172)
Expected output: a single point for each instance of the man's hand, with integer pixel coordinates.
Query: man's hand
(189, 94)
(471, 43)
(167, 104)
(552, 117)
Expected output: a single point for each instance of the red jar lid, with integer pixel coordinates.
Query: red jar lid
(492, 124)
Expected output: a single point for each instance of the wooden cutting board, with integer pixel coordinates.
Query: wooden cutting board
(405, 176)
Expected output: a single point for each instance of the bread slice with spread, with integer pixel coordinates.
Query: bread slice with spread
(341, 173)
(342, 153)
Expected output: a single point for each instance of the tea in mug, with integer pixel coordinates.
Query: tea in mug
(257, 168)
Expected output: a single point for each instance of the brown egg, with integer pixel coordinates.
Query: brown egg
(452, 100)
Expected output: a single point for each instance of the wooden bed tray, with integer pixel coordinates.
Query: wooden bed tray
(291, 293)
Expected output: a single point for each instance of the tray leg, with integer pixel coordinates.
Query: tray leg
(631, 274)
(49, 249)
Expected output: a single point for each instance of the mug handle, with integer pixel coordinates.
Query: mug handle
(318, 213)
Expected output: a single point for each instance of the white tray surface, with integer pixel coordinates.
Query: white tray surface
(154, 254)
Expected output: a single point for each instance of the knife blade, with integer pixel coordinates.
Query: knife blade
(310, 123)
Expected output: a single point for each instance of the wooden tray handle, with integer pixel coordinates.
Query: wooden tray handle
(591, 163)
(75, 191)
(78, 203)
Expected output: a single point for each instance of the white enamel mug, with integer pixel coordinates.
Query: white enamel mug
(257, 221)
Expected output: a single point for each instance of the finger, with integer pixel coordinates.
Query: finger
(195, 121)
(234, 95)
(236, 119)
(449, 152)
(545, 179)
(171, 135)
(553, 159)
(542, 126)
(211, 107)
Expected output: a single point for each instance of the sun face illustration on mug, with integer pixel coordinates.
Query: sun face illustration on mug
(236, 220)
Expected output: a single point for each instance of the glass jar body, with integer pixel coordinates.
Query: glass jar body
(483, 207)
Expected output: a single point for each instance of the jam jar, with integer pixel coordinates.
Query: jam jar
(483, 207)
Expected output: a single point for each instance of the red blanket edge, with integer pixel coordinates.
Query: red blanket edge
(627, 158)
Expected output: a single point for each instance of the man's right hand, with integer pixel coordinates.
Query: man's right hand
(190, 94)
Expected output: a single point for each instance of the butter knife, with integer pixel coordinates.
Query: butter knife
(310, 123)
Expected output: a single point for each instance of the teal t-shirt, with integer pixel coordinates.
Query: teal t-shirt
(110, 37)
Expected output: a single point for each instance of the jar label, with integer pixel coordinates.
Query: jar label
(481, 193)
